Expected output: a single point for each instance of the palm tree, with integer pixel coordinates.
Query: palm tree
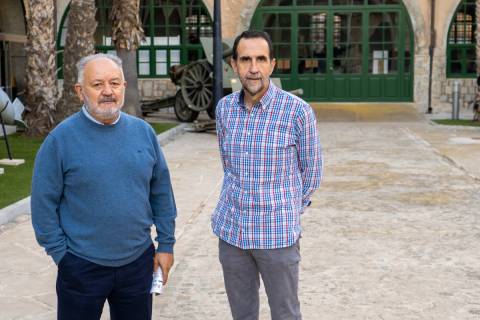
(41, 84)
(79, 42)
(127, 33)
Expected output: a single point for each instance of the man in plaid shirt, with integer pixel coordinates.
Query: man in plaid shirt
(272, 164)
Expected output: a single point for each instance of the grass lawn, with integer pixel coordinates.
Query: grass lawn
(15, 182)
(161, 127)
(468, 123)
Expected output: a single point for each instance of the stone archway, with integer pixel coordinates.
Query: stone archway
(420, 28)
(442, 33)
(246, 15)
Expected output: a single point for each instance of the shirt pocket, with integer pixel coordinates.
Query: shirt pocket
(275, 160)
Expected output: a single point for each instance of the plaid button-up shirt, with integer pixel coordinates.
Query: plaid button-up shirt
(272, 163)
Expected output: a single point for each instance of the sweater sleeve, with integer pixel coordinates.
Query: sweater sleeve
(47, 189)
(162, 202)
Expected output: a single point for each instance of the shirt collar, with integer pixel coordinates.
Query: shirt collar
(89, 116)
(264, 101)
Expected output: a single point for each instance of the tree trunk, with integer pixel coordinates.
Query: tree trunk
(79, 43)
(127, 33)
(129, 61)
(41, 84)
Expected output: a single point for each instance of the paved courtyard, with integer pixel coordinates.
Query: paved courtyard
(393, 233)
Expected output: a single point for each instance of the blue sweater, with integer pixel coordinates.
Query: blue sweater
(97, 190)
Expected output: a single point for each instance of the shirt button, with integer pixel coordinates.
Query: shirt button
(246, 153)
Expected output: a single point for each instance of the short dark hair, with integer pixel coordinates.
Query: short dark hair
(251, 34)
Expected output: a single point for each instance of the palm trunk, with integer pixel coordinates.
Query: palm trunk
(132, 98)
(41, 85)
(477, 35)
(79, 43)
(127, 33)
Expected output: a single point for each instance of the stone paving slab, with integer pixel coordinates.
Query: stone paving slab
(459, 144)
(393, 233)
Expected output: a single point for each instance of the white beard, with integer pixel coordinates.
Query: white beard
(102, 113)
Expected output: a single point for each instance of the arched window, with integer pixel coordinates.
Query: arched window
(461, 44)
(172, 34)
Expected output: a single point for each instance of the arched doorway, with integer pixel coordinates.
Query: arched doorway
(341, 50)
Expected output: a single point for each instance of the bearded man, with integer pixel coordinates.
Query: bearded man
(100, 181)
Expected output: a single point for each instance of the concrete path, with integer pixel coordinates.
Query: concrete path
(394, 232)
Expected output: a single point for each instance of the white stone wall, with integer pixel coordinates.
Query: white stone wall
(445, 99)
(151, 89)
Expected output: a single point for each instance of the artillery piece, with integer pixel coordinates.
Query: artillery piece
(195, 81)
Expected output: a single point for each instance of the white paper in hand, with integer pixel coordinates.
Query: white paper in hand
(157, 282)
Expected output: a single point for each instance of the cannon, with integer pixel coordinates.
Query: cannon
(195, 82)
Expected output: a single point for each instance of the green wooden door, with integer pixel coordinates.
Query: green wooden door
(346, 69)
(388, 44)
(311, 57)
(341, 53)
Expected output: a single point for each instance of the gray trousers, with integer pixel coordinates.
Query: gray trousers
(279, 271)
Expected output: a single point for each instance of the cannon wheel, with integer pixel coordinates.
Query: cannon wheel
(183, 113)
(197, 85)
(211, 113)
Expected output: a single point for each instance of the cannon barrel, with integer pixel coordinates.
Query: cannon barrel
(227, 53)
(297, 92)
(176, 71)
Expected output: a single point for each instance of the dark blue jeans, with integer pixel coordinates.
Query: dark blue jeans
(83, 287)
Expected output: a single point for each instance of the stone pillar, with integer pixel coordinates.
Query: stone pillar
(421, 71)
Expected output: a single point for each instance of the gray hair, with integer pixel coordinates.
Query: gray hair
(83, 62)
